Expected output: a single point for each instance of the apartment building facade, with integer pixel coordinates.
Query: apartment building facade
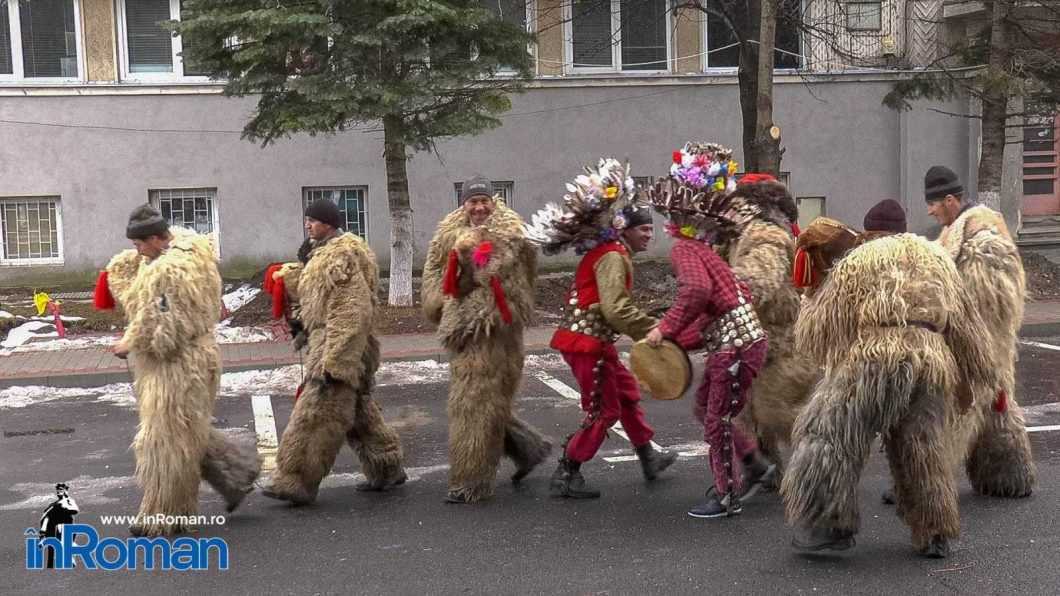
(99, 113)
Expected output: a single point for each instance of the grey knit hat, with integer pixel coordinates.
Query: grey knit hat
(145, 221)
(939, 182)
(476, 185)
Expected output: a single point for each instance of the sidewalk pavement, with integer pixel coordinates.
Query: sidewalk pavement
(93, 367)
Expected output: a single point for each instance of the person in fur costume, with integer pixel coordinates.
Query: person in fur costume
(898, 335)
(760, 248)
(603, 221)
(170, 290)
(478, 287)
(336, 296)
(999, 461)
(714, 309)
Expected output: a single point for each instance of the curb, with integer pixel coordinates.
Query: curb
(115, 375)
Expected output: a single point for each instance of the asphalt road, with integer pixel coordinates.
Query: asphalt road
(635, 539)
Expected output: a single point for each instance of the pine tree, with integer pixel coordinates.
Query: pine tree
(419, 69)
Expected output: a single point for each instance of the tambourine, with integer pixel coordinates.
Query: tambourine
(665, 371)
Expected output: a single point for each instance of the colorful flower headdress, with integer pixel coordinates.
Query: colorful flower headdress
(695, 195)
(592, 211)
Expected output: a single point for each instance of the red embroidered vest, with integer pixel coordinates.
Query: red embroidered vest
(583, 296)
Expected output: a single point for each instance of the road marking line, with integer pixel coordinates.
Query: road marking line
(265, 428)
(1038, 429)
(1038, 344)
(570, 393)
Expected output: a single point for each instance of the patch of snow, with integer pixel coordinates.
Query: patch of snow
(276, 381)
(77, 343)
(24, 332)
(240, 335)
(236, 299)
(5, 315)
(28, 395)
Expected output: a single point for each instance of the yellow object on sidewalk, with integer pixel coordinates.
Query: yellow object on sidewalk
(41, 299)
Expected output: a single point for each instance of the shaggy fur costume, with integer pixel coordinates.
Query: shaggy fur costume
(173, 304)
(761, 255)
(999, 461)
(486, 353)
(898, 335)
(336, 297)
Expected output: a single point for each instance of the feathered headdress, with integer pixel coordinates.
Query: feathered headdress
(695, 195)
(592, 211)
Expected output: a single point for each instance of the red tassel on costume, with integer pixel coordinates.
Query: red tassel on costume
(449, 285)
(102, 299)
(1001, 403)
(802, 275)
(755, 177)
(267, 284)
(279, 298)
(298, 392)
(502, 300)
(482, 253)
(795, 230)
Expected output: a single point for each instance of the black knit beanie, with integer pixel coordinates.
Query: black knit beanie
(637, 215)
(145, 221)
(476, 185)
(939, 182)
(325, 211)
(886, 216)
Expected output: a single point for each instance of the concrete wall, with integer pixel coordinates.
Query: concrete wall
(841, 144)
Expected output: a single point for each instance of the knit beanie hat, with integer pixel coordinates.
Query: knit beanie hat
(145, 221)
(476, 185)
(939, 182)
(325, 211)
(886, 216)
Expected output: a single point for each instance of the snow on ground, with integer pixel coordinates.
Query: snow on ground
(241, 335)
(5, 315)
(21, 334)
(235, 299)
(40, 336)
(278, 381)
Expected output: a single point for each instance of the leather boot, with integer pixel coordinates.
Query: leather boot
(567, 482)
(652, 462)
(937, 548)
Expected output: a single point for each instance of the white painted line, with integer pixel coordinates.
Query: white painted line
(1038, 429)
(1038, 344)
(265, 427)
(570, 393)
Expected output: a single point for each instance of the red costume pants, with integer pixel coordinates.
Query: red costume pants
(722, 396)
(609, 394)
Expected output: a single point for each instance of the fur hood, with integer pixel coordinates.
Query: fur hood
(968, 225)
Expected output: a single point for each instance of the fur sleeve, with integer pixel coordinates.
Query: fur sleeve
(121, 273)
(763, 261)
(350, 309)
(991, 269)
(290, 273)
(975, 360)
(433, 269)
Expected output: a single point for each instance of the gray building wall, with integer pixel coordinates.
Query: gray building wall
(841, 144)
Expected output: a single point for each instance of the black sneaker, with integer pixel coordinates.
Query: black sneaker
(715, 507)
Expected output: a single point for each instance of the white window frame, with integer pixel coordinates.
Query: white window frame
(178, 61)
(361, 187)
(704, 50)
(58, 260)
(616, 46)
(18, 68)
(215, 212)
(847, 15)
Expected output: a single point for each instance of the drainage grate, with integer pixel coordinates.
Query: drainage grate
(8, 434)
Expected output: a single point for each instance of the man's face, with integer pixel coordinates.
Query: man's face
(60, 492)
(478, 209)
(945, 210)
(151, 247)
(318, 230)
(639, 237)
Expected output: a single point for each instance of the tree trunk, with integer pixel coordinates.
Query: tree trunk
(397, 194)
(747, 24)
(767, 136)
(995, 107)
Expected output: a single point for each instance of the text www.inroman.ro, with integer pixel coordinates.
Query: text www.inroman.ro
(162, 519)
